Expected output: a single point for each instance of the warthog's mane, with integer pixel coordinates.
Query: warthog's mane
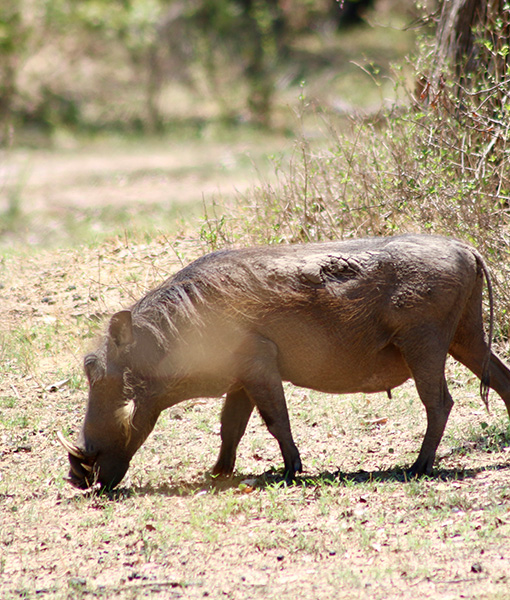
(193, 295)
(246, 285)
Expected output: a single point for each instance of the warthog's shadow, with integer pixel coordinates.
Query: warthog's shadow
(208, 484)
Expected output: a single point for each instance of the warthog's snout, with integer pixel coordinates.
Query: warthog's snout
(90, 470)
(81, 474)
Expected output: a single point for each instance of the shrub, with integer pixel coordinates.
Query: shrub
(442, 167)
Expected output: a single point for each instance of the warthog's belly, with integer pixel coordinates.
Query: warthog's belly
(344, 372)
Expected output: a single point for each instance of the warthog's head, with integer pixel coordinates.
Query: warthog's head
(122, 406)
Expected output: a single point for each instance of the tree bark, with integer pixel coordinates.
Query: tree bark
(461, 23)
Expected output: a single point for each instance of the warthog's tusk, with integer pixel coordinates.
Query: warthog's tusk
(87, 467)
(71, 448)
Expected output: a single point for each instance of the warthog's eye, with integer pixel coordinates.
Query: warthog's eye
(93, 368)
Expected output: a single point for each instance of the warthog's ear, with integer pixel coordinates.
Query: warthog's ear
(121, 328)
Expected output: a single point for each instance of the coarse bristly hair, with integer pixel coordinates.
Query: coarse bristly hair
(124, 416)
(198, 291)
(132, 388)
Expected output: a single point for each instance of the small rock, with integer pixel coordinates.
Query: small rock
(54, 387)
(24, 448)
(251, 482)
(177, 413)
(77, 582)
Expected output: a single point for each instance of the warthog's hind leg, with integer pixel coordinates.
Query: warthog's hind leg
(438, 404)
(473, 354)
(426, 357)
(470, 347)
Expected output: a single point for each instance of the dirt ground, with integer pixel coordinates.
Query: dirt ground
(60, 197)
(72, 180)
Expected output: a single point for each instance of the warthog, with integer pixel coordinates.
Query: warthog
(355, 316)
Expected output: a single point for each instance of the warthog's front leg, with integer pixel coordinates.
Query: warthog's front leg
(269, 398)
(263, 384)
(234, 419)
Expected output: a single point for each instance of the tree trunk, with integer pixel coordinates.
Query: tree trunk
(461, 24)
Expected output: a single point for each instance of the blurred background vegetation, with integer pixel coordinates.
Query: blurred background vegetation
(143, 65)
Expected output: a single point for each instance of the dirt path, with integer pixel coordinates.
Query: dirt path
(68, 197)
(150, 173)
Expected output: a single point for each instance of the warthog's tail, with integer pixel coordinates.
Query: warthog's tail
(485, 379)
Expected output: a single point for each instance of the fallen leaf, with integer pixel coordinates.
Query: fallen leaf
(379, 421)
(54, 387)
